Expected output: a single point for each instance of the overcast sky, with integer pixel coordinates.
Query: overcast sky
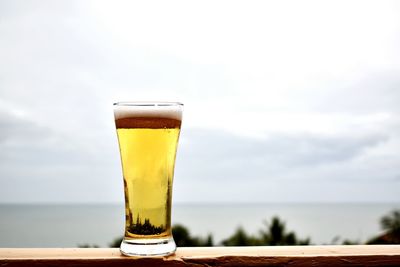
(285, 101)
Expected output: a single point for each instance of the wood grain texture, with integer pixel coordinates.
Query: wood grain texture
(388, 255)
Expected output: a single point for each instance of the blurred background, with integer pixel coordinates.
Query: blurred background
(291, 110)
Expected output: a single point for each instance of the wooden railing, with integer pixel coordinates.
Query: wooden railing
(372, 255)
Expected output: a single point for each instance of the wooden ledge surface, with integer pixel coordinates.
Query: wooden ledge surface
(360, 255)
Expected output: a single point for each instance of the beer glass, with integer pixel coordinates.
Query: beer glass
(148, 134)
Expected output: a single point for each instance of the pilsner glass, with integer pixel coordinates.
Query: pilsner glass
(148, 134)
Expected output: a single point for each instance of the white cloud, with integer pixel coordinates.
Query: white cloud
(280, 84)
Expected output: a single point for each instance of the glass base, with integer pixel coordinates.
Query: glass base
(148, 247)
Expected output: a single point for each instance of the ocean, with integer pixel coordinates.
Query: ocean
(71, 225)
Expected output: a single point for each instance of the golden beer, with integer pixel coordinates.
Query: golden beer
(148, 137)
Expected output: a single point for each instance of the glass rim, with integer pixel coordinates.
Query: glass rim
(148, 103)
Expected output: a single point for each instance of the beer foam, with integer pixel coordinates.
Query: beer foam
(165, 110)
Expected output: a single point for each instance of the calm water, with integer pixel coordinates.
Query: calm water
(70, 225)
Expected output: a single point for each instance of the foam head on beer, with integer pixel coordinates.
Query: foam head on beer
(151, 115)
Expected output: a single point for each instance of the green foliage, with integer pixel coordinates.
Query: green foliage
(146, 228)
(391, 222)
(183, 238)
(274, 234)
(116, 242)
(350, 242)
(88, 246)
(391, 225)
(240, 238)
(337, 241)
